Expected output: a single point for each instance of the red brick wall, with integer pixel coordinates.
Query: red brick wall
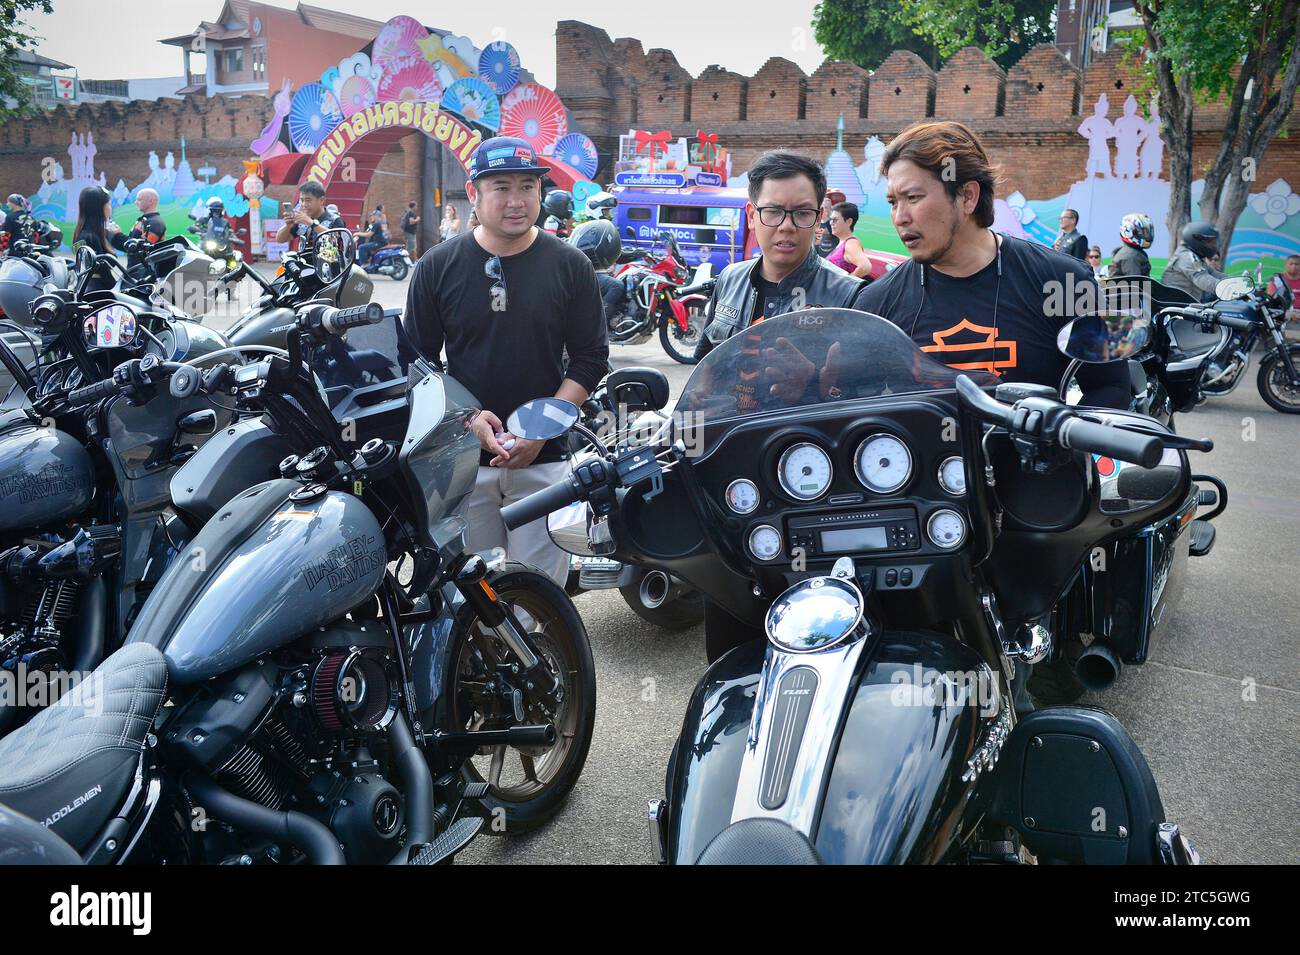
(970, 86)
(902, 88)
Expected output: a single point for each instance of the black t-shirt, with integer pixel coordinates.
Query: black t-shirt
(997, 324)
(511, 355)
(327, 219)
(408, 226)
(768, 300)
(149, 226)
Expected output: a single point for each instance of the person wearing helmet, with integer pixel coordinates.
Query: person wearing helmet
(1136, 233)
(602, 206)
(1194, 266)
(598, 240)
(15, 227)
(558, 208)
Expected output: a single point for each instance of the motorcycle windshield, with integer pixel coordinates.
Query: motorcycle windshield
(808, 358)
(366, 355)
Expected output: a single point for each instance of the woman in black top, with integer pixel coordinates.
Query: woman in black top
(95, 226)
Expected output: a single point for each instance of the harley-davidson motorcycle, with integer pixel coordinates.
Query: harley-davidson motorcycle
(899, 530)
(316, 675)
(87, 526)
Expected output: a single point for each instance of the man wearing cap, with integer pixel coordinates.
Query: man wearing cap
(506, 301)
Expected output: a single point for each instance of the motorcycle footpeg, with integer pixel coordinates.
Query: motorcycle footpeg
(1202, 539)
(453, 839)
(475, 790)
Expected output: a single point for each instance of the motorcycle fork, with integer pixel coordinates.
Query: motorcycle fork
(470, 577)
(1284, 353)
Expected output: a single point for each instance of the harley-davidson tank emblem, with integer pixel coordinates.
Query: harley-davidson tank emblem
(348, 562)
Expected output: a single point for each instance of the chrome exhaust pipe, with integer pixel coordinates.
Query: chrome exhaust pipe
(656, 589)
(1098, 666)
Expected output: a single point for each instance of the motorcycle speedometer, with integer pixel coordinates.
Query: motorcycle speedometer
(805, 471)
(883, 463)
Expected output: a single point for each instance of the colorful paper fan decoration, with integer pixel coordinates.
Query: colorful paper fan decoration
(579, 152)
(312, 116)
(498, 66)
(534, 113)
(398, 39)
(411, 79)
(356, 93)
(473, 101)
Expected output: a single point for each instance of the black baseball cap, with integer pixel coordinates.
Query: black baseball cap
(505, 154)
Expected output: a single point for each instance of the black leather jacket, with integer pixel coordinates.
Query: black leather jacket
(814, 284)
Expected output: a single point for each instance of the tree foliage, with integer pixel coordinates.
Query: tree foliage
(865, 32)
(1198, 51)
(15, 36)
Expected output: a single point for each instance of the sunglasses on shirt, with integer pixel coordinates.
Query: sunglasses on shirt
(493, 270)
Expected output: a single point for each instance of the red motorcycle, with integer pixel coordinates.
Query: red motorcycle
(662, 293)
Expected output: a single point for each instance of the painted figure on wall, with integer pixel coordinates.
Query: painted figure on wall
(1131, 132)
(1099, 131)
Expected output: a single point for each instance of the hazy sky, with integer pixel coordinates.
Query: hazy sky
(117, 39)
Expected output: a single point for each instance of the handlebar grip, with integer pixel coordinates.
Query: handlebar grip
(336, 321)
(538, 505)
(1231, 321)
(92, 393)
(1080, 435)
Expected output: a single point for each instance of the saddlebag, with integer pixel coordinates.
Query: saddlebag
(1076, 787)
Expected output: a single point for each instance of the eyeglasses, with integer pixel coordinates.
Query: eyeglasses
(774, 216)
(1094, 255)
(493, 270)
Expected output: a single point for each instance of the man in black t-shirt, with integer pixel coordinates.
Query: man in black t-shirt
(969, 297)
(507, 301)
(310, 217)
(150, 226)
(410, 220)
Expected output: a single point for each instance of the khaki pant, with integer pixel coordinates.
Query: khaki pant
(530, 544)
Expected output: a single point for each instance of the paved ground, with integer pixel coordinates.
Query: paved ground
(1216, 709)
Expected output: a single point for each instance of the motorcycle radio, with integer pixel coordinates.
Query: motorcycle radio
(855, 532)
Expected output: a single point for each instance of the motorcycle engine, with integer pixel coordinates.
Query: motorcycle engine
(33, 624)
(299, 737)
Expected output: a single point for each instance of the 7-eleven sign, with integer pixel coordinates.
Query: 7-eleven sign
(65, 87)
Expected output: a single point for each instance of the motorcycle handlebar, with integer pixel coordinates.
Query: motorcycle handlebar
(1073, 432)
(93, 393)
(1079, 435)
(539, 504)
(338, 320)
(1209, 314)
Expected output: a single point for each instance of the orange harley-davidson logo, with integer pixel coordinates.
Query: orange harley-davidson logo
(973, 347)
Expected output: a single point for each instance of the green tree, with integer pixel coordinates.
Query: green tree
(1191, 50)
(14, 36)
(865, 32)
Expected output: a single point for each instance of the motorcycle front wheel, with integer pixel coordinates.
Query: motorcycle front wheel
(399, 271)
(1274, 385)
(527, 785)
(680, 345)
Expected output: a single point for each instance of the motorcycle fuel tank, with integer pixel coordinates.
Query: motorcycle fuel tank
(272, 565)
(901, 774)
(45, 476)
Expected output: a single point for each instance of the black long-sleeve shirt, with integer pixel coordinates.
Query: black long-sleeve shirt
(507, 347)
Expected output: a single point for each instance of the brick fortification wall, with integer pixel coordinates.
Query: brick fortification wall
(1027, 116)
(217, 132)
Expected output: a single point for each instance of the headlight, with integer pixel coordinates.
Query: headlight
(210, 246)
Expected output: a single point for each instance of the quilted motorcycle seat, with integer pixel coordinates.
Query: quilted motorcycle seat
(73, 763)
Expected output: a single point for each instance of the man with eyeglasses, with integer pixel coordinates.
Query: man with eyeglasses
(785, 198)
(506, 300)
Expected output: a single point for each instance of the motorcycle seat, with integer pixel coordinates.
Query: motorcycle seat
(72, 764)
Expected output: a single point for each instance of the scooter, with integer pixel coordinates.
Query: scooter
(875, 723)
(392, 260)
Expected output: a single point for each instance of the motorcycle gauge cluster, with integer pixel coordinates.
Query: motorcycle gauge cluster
(805, 471)
(952, 476)
(883, 463)
(742, 496)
